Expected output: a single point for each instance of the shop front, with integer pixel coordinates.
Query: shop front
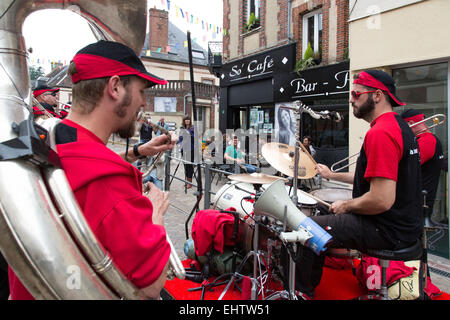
(246, 99)
(253, 90)
(321, 89)
(424, 86)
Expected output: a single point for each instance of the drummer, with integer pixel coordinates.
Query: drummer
(385, 212)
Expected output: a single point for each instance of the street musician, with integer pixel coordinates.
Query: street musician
(386, 209)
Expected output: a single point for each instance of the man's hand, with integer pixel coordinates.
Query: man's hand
(160, 202)
(158, 144)
(324, 171)
(339, 207)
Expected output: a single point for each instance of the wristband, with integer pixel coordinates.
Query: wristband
(136, 152)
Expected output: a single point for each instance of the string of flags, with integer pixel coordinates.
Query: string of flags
(194, 19)
(212, 29)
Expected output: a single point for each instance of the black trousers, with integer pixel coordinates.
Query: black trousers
(189, 168)
(348, 231)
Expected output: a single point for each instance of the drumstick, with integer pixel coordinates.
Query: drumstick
(317, 199)
(307, 152)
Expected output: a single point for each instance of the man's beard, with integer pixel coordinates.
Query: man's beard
(127, 131)
(364, 109)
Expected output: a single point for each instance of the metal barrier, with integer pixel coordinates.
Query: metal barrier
(209, 171)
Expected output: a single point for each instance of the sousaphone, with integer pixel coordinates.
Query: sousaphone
(43, 234)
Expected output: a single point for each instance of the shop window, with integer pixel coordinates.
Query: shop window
(425, 88)
(328, 137)
(252, 18)
(198, 54)
(312, 34)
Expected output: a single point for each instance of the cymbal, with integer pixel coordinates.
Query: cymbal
(281, 157)
(255, 178)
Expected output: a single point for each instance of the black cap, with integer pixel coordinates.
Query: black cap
(108, 58)
(43, 88)
(380, 80)
(412, 115)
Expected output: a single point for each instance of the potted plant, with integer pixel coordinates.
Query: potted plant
(252, 23)
(307, 61)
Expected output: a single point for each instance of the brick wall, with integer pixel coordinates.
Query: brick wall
(283, 20)
(226, 26)
(300, 9)
(342, 29)
(342, 26)
(159, 29)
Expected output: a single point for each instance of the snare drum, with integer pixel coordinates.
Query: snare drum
(304, 202)
(331, 195)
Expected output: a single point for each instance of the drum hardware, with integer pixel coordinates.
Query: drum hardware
(326, 204)
(434, 119)
(255, 178)
(308, 233)
(235, 274)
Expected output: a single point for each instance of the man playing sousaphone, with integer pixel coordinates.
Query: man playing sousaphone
(386, 209)
(108, 91)
(47, 97)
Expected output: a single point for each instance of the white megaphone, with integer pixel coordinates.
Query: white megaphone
(272, 203)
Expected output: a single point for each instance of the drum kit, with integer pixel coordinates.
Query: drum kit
(270, 218)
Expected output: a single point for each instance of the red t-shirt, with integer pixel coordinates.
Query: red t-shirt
(383, 146)
(109, 192)
(427, 146)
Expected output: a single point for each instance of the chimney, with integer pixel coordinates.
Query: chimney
(158, 29)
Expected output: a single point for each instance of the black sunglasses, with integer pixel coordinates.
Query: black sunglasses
(51, 94)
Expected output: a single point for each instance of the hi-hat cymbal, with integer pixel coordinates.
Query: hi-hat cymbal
(281, 157)
(254, 178)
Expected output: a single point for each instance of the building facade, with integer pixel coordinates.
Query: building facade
(166, 55)
(407, 39)
(266, 42)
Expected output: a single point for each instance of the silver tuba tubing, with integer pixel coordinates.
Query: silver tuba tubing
(72, 215)
(35, 242)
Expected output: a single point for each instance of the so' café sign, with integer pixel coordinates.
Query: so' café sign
(320, 82)
(260, 66)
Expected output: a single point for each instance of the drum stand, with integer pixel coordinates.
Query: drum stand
(257, 281)
(291, 293)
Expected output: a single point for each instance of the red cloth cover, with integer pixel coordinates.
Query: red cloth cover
(395, 271)
(211, 228)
